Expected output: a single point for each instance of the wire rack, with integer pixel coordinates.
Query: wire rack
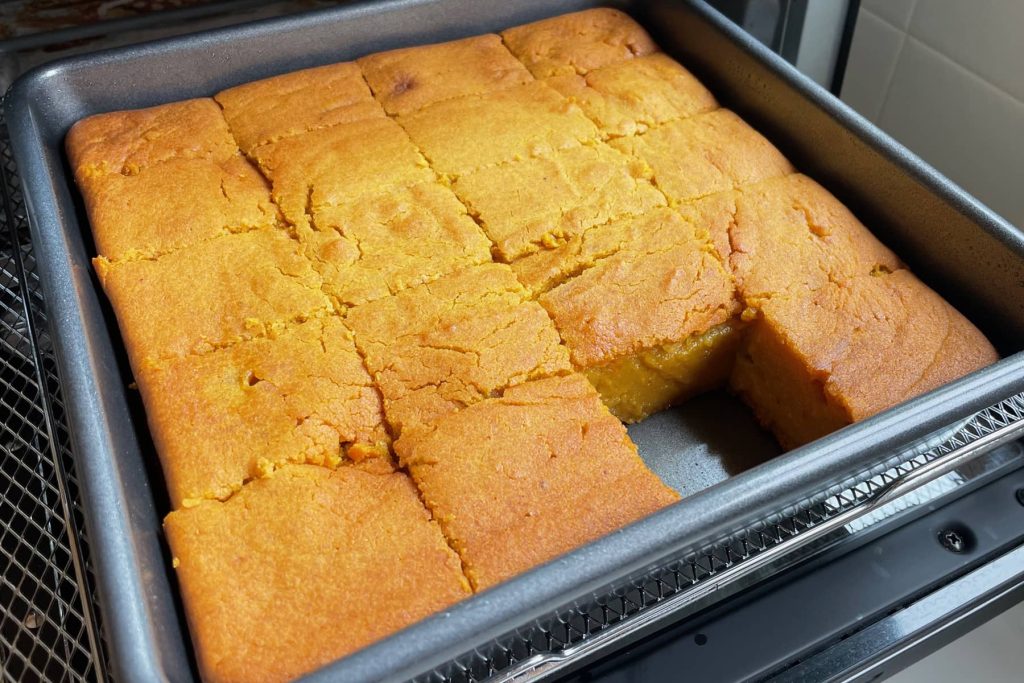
(49, 624)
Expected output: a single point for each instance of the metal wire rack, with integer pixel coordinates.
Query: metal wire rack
(49, 626)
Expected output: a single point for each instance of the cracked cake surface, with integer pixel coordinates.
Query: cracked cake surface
(392, 240)
(444, 345)
(226, 290)
(628, 98)
(513, 481)
(579, 42)
(282, 106)
(223, 418)
(128, 142)
(478, 131)
(410, 78)
(176, 204)
(268, 610)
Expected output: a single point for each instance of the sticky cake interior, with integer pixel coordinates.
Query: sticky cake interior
(387, 317)
(646, 307)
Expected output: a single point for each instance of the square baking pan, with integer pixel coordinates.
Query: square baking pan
(710, 449)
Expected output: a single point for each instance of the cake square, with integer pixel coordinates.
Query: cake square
(648, 312)
(453, 342)
(539, 203)
(831, 309)
(790, 235)
(215, 293)
(175, 205)
(410, 78)
(517, 480)
(713, 152)
(818, 361)
(273, 108)
(238, 413)
(476, 131)
(579, 42)
(127, 142)
(338, 165)
(391, 241)
(263, 609)
(628, 98)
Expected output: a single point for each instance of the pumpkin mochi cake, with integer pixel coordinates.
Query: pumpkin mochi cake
(487, 250)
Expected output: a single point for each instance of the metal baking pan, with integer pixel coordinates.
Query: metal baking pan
(971, 256)
(77, 29)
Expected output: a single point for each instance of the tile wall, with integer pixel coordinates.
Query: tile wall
(946, 78)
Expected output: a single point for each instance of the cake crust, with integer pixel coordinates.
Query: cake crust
(340, 165)
(453, 342)
(539, 203)
(699, 156)
(127, 142)
(478, 131)
(408, 79)
(516, 481)
(268, 110)
(391, 241)
(227, 289)
(630, 97)
(236, 414)
(175, 205)
(260, 610)
(663, 288)
(579, 42)
(834, 306)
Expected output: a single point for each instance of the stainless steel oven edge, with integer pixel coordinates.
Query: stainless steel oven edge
(966, 252)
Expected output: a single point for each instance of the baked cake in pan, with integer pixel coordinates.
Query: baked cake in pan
(486, 250)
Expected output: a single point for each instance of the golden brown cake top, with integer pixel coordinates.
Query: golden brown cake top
(576, 43)
(713, 152)
(278, 107)
(877, 340)
(841, 302)
(629, 97)
(129, 141)
(518, 480)
(237, 413)
(546, 269)
(261, 609)
(338, 165)
(410, 78)
(447, 344)
(540, 203)
(215, 293)
(649, 282)
(477, 131)
(174, 205)
(393, 240)
(791, 234)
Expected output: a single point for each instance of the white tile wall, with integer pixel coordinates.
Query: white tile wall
(896, 12)
(946, 78)
(871, 64)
